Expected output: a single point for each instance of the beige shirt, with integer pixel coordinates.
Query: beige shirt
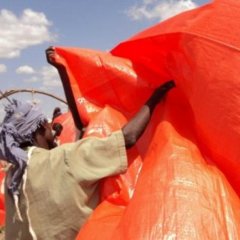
(61, 190)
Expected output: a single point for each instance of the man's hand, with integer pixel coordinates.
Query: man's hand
(160, 92)
(52, 56)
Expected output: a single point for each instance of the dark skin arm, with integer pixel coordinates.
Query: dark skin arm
(51, 58)
(136, 126)
(133, 130)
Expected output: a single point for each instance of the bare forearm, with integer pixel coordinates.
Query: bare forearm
(51, 56)
(133, 130)
(70, 97)
(136, 126)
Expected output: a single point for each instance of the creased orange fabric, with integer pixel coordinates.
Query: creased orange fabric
(183, 179)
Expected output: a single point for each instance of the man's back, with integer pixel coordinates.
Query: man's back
(60, 187)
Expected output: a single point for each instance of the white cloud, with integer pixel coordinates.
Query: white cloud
(159, 9)
(25, 70)
(43, 88)
(50, 77)
(3, 68)
(18, 33)
(32, 79)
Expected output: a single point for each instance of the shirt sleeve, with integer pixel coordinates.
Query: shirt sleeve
(93, 158)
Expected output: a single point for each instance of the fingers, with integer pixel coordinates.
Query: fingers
(171, 84)
(51, 56)
(50, 51)
(168, 85)
(161, 91)
(165, 87)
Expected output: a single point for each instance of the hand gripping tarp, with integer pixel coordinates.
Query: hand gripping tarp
(183, 179)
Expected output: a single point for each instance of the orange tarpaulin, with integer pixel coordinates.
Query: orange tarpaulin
(2, 200)
(183, 179)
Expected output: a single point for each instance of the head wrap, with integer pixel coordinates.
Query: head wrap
(18, 126)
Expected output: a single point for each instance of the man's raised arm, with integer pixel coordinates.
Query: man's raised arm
(136, 126)
(51, 58)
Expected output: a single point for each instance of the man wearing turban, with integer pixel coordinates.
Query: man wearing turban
(51, 190)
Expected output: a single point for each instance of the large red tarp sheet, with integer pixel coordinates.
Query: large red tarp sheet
(183, 179)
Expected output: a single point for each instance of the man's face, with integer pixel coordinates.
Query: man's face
(49, 136)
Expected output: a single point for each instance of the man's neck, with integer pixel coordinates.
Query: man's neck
(40, 141)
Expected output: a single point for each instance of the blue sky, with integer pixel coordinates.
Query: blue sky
(28, 27)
